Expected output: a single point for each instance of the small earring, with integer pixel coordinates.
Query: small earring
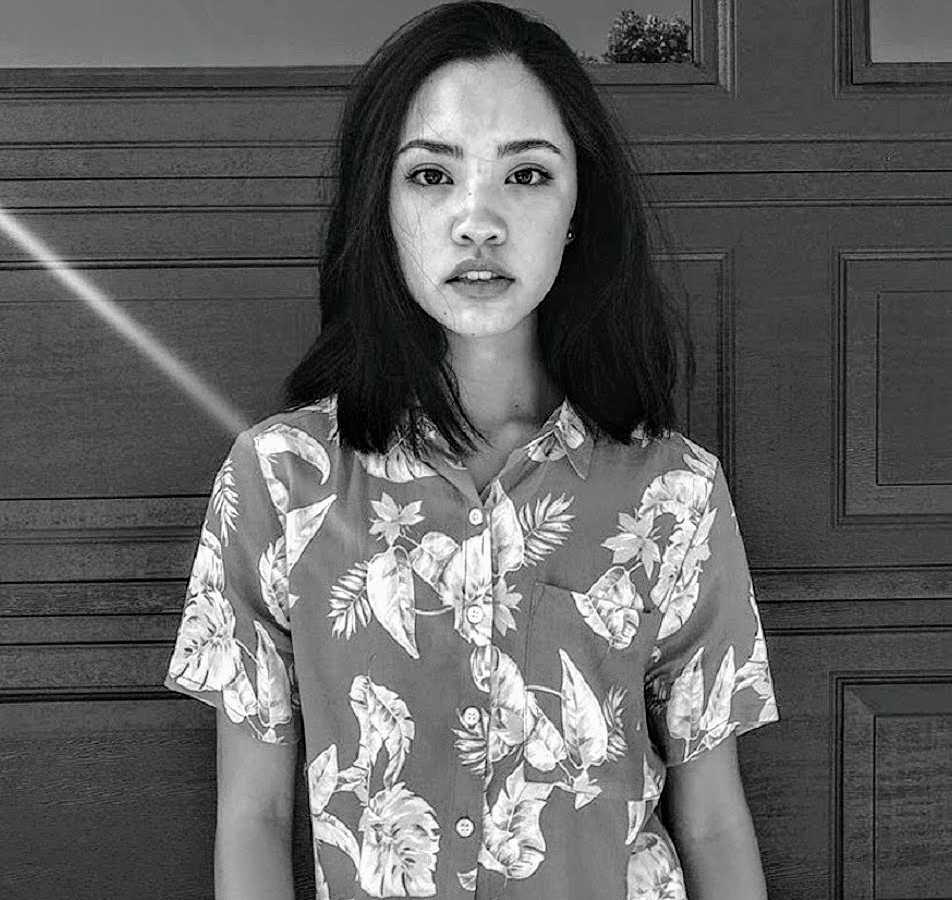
(571, 236)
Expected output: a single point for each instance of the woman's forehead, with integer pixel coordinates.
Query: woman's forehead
(496, 94)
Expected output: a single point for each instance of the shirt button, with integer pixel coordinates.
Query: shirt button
(465, 826)
(470, 715)
(474, 614)
(475, 516)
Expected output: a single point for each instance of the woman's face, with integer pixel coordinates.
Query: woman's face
(513, 209)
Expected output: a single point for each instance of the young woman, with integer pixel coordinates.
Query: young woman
(471, 563)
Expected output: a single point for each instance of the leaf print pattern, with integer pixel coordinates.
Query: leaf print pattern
(401, 840)
(400, 836)
(384, 721)
(699, 460)
(451, 569)
(495, 673)
(207, 657)
(685, 705)
(278, 439)
(212, 658)
(512, 839)
(681, 601)
(545, 527)
(586, 732)
(467, 880)
(430, 556)
(653, 870)
(612, 709)
(294, 526)
(322, 776)
(684, 495)
(393, 518)
(225, 499)
(274, 583)
(686, 719)
(390, 593)
(207, 571)
(465, 583)
(610, 607)
(327, 828)
(507, 544)
(586, 724)
(705, 700)
(755, 673)
(302, 523)
(568, 431)
(639, 810)
(505, 600)
(544, 745)
(472, 743)
(398, 465)
(274, 685)
(636, 539)
(349, 601)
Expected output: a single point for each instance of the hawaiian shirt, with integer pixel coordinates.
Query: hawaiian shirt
(490, 685)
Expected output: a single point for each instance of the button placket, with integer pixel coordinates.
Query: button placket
(476, 610)
(479, 609)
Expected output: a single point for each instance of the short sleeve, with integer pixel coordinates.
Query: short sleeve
(233, 649)
(708, 675)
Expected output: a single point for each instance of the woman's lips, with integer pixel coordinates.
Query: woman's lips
(481, 280)
(493, 287)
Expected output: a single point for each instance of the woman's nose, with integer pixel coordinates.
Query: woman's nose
(479, 224)
(478, 232)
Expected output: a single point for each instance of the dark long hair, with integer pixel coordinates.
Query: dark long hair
(606, 326)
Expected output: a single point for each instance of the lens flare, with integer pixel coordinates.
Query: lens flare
(180, 374)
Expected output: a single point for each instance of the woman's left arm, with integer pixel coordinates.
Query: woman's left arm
(705, 810)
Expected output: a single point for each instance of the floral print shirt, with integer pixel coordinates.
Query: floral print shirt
(490, 686)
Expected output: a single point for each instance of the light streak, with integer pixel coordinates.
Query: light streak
(217, 406)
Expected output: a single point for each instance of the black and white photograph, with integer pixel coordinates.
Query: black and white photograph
(524, 430)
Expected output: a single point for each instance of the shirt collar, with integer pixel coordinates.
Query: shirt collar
(563, 434)
(572, 438)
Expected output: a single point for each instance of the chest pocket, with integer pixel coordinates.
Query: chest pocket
(584, 716)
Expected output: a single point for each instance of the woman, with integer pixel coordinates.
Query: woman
(472, 562)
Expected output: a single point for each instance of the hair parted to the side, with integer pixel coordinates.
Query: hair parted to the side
(606, 327)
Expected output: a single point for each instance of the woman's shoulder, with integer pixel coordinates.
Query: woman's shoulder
(672, 451)
(319, 419)
(295, 428)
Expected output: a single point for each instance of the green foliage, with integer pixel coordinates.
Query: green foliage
(633, 38)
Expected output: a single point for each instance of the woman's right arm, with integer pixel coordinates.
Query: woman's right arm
(255, 816)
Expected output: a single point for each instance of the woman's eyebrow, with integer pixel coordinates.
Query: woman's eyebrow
(510, 148)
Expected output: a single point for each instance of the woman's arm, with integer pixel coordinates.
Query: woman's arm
(253, 861)
(255, 816)
(705, 810)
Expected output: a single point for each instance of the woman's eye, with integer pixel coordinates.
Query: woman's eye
(544, 176)
(413, 176)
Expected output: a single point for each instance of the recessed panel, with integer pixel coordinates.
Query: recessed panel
(894, 808)
(134, 398)
(914, 379)
(897, 334)
(910, 31)
(117, 775)
(913, 801)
